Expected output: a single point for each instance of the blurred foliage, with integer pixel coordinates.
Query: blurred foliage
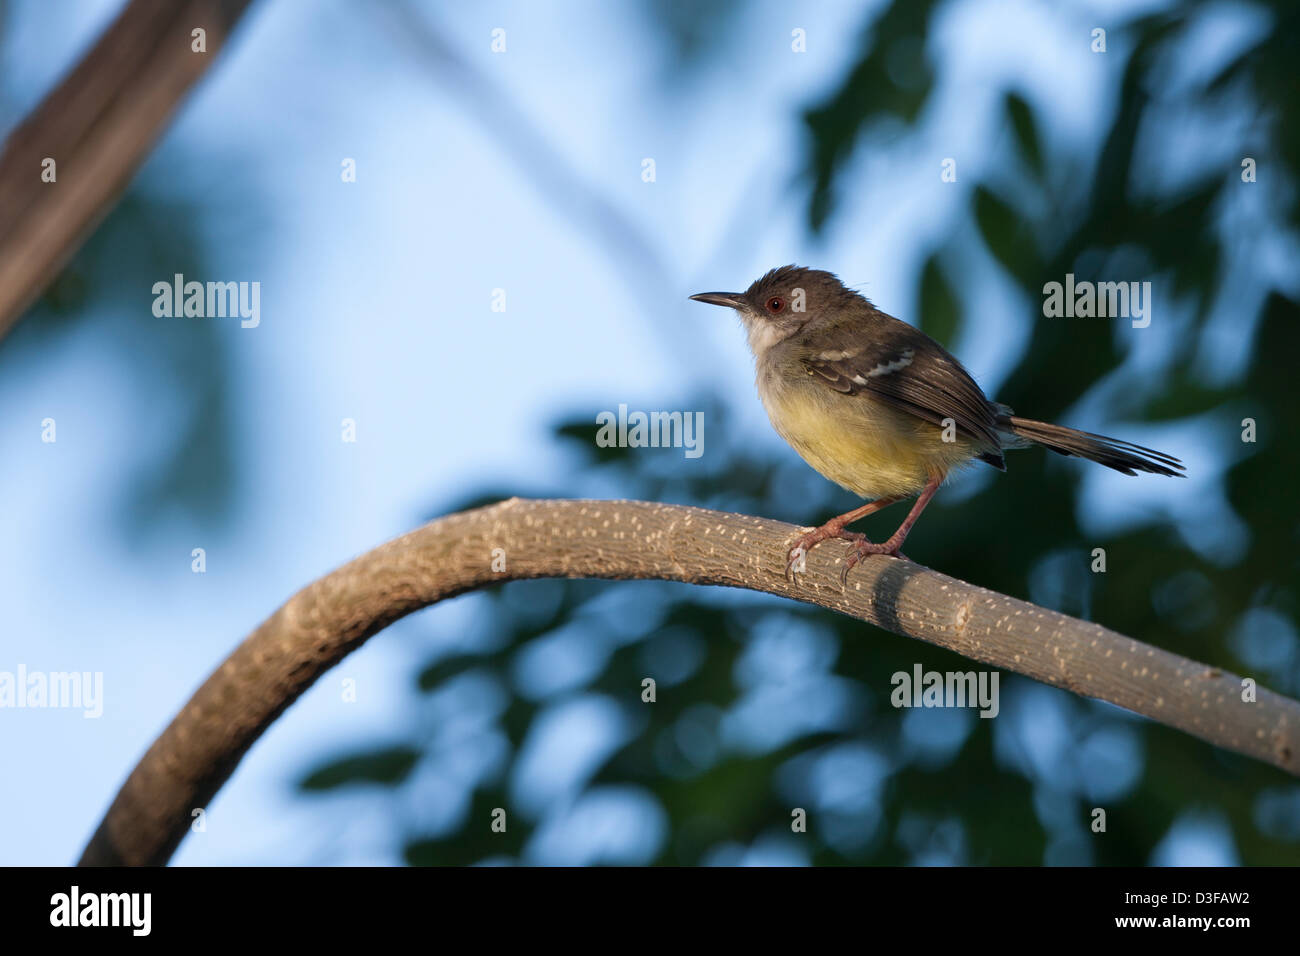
(183, 392)
(890, 83)
(763, 706)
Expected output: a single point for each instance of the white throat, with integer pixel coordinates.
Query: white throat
(762, 336)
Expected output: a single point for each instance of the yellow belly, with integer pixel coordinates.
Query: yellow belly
(861, 444)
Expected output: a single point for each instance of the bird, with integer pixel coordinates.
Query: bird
(880, 408)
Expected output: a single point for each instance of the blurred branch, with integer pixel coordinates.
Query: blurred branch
(634, 254)
(98, 126)
(631, 539)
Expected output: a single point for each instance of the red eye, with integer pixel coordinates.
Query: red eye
(775, 304)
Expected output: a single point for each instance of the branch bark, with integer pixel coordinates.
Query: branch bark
(98, 125)
(320, 624)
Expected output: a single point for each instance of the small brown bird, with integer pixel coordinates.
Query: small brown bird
(879, 407)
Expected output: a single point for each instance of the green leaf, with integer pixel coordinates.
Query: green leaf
(1026, 130)
(388, 767)
(435, 675)
(1006, 234)
(940, 310)
(583, 434)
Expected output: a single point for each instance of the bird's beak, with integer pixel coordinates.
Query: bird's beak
(732, 300)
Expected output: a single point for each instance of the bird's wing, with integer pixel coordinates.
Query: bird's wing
(905, 368)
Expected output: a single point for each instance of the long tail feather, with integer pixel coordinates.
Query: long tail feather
(1112, 452)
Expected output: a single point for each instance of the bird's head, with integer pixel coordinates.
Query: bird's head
(784, 302)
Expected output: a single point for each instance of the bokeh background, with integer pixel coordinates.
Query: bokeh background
(522, 171)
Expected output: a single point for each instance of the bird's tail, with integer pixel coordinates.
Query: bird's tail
(1111, 452)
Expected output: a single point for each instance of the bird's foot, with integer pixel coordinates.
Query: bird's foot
(809, 540)
(860, 549)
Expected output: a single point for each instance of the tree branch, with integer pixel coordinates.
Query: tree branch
(98, 126)
(631, 539)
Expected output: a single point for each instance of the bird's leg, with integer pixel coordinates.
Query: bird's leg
(832, 529)
(892, 546)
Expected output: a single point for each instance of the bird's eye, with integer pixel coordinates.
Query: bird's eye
(775, 304)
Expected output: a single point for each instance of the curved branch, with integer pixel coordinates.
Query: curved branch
(632, 539)
(98, 126)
